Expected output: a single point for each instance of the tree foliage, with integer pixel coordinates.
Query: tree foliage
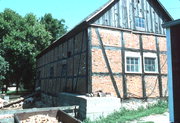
(56, 27)
(21, 39)
(4, 67)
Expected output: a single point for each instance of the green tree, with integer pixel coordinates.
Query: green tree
(56, 27)
(22, 38)
(4, 67)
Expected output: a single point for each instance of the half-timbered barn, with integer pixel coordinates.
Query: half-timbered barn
(120, 49)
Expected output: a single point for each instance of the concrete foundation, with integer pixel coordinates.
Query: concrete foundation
(95, 107)
(90, 107)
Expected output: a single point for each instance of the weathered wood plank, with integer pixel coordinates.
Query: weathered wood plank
(123, 13)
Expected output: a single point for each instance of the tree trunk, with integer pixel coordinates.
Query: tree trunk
(17, 86)
(6, 87)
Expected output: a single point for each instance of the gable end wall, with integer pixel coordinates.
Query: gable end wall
(122, 15)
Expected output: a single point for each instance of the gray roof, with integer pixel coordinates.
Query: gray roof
(171, 23)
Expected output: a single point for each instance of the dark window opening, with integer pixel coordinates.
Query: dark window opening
(68, 54)
(150, 64)
(63, 70)
(51, 72)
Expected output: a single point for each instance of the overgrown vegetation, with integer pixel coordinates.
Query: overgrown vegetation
(125, 115)
(21, 39)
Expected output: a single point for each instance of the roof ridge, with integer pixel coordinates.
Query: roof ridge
(91, 17)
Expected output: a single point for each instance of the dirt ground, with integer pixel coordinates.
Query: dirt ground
(159, 118)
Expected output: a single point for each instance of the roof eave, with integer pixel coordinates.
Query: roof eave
(167, 13)
(171, 23)
(100, 11)
(65, 37)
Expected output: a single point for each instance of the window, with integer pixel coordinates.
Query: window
(51, 72)
(69, 54)
(132, 64)
(63, 70)
(150, 63)
(140, 22)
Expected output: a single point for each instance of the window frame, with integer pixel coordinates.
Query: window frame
(153, 56)
(140, 23)
(133, 55)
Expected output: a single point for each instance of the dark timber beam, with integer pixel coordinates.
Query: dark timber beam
(123, 65)
(107, 63)
(159, 67)
(143, 74)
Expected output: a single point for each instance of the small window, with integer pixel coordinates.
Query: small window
(132, 64)
(140, 22)
(69, 54)
(63, 70)
(150, 64)
(51, 72)
(38, 74)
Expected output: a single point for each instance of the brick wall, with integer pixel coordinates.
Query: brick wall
(149, 42)
(152, 85)
(131, 40)
(134, 86)
(117, 43)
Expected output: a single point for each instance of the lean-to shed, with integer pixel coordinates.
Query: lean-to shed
(120, 49)
(173, 39)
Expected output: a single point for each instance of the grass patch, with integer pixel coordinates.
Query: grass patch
(125, 115)
(147, 122)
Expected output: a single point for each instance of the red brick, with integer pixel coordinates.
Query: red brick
(134, 86)
(163, 63)
(94, 38)
(164, 86)
(162, 44)
(104, 83)
(109, 37)
(98, 62)
(152, 86)
(131, 40)
(149, 42)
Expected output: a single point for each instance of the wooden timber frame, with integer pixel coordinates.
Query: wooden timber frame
(92, 56)
(157, 86)
(73, 71)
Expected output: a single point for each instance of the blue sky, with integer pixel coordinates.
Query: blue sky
(73, 11)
